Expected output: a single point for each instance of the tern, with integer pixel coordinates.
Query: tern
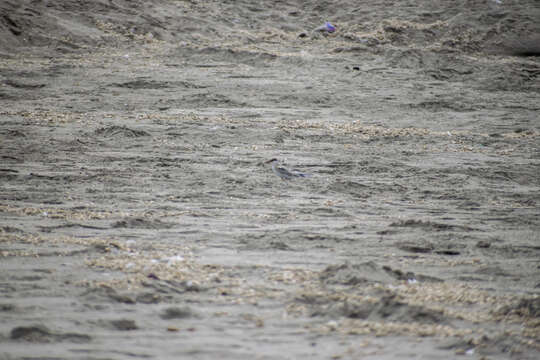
(283, 173)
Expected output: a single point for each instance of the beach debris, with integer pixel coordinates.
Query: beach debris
(325, 28)
(174, 259)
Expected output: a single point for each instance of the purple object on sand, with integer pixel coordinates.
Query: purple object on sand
(326, 28)
(329, 27)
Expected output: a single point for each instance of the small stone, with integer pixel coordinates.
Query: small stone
(124, 325)
(483, 244)
(177, 313)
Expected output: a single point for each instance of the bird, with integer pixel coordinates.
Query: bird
(283, 173)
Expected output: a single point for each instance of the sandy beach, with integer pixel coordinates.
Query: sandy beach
(139, 218)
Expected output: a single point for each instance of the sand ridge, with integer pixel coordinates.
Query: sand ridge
(138, 217)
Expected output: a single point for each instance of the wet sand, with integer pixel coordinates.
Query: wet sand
(139, 220)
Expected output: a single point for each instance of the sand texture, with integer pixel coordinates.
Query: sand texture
(139, 220)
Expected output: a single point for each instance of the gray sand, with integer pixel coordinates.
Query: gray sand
(138, 219)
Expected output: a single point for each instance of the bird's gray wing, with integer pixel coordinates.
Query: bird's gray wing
(298, 173)
(284, 171)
